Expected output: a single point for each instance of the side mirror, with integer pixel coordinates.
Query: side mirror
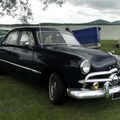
(26, 43)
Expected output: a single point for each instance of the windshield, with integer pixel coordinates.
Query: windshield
(57, 38)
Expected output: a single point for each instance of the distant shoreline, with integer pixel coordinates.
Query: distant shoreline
(50, 24)
(95, 22)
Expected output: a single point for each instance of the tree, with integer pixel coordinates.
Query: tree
(22, 8)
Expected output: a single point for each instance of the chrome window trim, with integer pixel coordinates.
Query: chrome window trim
(30, 69)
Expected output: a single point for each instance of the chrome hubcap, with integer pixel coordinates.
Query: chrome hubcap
(52, 86)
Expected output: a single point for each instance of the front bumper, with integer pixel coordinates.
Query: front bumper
(107, 90)
(87, 94)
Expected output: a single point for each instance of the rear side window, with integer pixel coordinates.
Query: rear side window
(11, 38)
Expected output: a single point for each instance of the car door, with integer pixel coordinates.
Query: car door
(23, 53)
(6, 48)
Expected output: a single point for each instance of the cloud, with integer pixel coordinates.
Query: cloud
(99, 9)
(97, 4)
(72, 11)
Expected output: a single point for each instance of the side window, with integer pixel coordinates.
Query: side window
(11, 38)
(27, 39)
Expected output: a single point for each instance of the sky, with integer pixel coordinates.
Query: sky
(72, 11)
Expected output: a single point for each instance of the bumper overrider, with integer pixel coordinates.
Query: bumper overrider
(107, 90)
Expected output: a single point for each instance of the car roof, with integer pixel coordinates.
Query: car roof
(36, 28)
(39, 28)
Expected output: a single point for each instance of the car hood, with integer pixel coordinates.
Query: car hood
(98, 59)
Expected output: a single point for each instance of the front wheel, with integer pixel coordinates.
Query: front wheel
(57, 89)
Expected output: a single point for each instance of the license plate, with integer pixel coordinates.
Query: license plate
(116, 96)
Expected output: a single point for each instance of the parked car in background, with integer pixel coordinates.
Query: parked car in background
(57, 56)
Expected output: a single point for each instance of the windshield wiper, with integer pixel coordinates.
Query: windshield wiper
(76, 45)
(56, 44)
(63, 44)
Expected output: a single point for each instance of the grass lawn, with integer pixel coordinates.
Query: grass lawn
(20, 100)
(109, 45)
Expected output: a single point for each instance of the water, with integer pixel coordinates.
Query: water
(108, 32)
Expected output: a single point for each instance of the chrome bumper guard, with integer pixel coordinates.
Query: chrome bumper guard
(106, 91)
(87, 94)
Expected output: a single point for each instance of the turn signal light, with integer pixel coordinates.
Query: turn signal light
(95, 86)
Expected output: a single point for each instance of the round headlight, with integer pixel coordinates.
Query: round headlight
(85, 67)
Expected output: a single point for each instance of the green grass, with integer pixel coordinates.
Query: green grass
(109, 45)
(20, 100)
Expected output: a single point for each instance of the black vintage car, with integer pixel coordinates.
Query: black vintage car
(56, 55)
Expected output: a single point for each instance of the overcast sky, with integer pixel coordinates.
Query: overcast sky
(72, 11)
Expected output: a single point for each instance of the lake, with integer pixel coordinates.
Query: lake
(108, 32)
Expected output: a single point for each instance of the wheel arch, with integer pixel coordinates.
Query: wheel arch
(48, 71)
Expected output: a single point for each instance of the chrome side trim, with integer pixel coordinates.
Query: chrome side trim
(30, 69)
(101, 73)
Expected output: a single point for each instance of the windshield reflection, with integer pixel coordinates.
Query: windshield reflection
(57, 38)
